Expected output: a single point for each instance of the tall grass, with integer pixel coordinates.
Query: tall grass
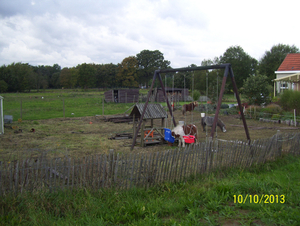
(206, 200)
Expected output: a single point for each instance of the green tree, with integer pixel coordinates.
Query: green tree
(272, 59)
(55, 80)
(18, 77)
(127, 74)
(106, 75)
(243, 65)
(148, 62)
(86, 76)
(185, 79)
(65, 78)
(53, 75)
(257, 89)
(74, 76)
(3, 86)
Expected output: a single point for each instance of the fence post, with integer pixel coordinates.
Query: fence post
(64, 107)
(103, 106)
(295, 122)
(21, 110)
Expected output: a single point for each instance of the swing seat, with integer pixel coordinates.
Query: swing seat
(168, 136)
(189, 139)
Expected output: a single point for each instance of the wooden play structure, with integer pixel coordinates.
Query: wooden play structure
(227, 72)
(149, 133)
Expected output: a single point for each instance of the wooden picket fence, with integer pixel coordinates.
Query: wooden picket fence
(124, 171)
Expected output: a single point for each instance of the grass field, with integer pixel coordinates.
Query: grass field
(84, 133)
(205, 200)
(59, 103)
(38, 106)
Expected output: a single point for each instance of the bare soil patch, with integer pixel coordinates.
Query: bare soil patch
(81, 136)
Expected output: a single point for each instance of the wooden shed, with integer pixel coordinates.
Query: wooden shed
(149, 133)
(122, 95)
(176, 94)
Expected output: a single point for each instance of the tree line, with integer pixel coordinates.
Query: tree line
(137, 71)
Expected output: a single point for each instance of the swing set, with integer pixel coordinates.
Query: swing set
(227, 71)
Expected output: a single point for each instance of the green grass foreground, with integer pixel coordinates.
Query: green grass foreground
(206, 200)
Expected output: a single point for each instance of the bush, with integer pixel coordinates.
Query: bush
(257, 89)
(272, 109)
(196, 95)
(229, 111)
(276, 116)
(290, 100)
(224, 106)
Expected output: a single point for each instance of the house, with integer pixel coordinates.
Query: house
(288, 74)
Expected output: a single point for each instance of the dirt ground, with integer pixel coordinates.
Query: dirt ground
(78, 137)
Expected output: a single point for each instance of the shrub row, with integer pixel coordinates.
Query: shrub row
(290, 100)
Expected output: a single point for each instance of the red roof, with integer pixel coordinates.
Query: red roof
(290, 63)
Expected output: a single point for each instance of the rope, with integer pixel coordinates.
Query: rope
(184, 100)
(193, 96)
(166, 121)
(206, 107)
(172, 102)
(217, 103)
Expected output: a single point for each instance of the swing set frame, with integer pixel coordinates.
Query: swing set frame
(228, 71)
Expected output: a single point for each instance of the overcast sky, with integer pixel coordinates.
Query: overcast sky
(45, 32)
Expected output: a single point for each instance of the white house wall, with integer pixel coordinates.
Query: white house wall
(281, 74)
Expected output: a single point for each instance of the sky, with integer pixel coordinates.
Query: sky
(72, 32)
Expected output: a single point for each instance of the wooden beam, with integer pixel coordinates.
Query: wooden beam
(143, 113)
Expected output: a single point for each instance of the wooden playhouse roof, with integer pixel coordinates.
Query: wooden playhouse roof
(153, 111)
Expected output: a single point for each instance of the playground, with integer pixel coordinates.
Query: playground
(82, 136)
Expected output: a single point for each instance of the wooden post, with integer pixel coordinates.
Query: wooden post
(64, 107)
(162, 130)
(103, 106)
(142, 133)
(134, 124)
(126, 97)
(295, 122)
(21, 110)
